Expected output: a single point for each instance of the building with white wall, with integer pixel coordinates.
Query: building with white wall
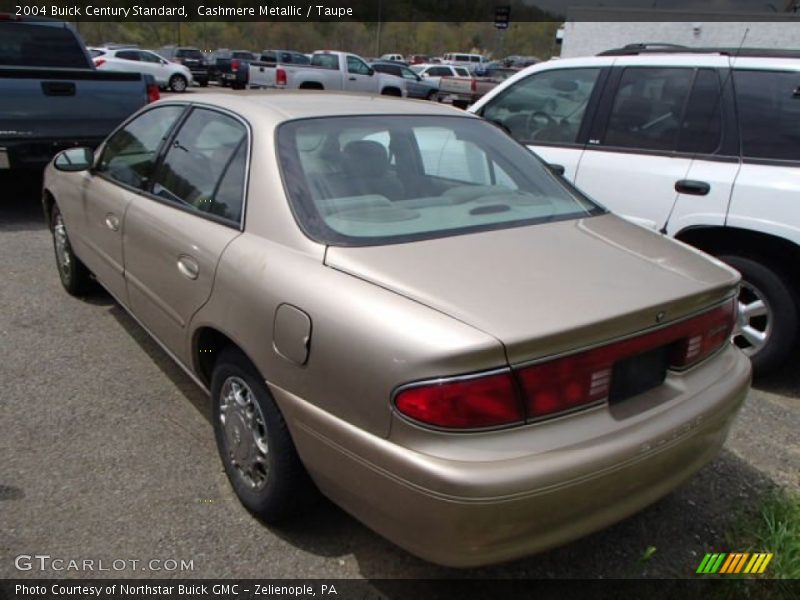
(590, 31)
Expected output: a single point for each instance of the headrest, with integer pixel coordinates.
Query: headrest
(365, 158)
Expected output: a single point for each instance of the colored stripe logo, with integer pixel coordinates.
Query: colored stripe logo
(737, 562)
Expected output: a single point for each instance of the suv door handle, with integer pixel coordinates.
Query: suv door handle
(352, 78)
(690, 186)
(188, 267)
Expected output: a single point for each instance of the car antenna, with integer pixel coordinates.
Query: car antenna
(725, 82)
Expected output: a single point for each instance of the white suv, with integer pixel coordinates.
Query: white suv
(167, 74)
(700, 144)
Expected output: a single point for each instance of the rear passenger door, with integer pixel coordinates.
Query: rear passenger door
(765, 196)
(175, 235)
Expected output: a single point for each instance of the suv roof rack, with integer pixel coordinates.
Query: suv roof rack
(661, 48)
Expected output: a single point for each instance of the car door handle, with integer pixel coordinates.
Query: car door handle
(112, 222)
(352, 78)
(690, 186)
(188, 267)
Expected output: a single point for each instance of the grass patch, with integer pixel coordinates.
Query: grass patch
(773, 527)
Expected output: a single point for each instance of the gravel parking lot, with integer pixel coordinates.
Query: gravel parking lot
(108, 454)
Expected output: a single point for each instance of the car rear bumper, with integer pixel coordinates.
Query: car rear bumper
(489, 508)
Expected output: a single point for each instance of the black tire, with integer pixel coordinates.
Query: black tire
(178, 83)
(238, 86)
(287, 487)
(431, 96)
(391, 92)
(759, 280)
(204, 83)
(74, 275)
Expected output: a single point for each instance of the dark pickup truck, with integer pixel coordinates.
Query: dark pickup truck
(52, 97)
(230, 67)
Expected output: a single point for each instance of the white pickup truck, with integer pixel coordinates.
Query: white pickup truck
(327, 71)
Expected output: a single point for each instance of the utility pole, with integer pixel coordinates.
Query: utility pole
(380, 23)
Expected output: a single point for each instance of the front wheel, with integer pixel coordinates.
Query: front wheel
(767, 318)
(178, 83)
(258, 453)
(73, 273)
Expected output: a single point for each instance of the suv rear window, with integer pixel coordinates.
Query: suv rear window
(358, 181)
(28, 45)
(189, 53)
(769, 113)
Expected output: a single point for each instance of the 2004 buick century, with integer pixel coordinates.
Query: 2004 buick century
(397, 302)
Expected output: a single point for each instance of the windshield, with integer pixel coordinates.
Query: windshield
(389, 179)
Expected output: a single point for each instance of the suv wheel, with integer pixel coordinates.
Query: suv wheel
(258, 454)
(178, 83)
(767, 320)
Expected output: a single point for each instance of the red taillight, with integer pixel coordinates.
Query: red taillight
(280, 77)
(98, 62)
(473, 86)
(152, 93)
(584, 378)
(235, 63)
(563, 384)
(487, 401)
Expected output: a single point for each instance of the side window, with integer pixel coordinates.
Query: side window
(129, 155)
(545, 107)
(462, 72)
(269, 57)
(701, 130)
(148, 57)
(647, 108)
(198, 162)
(356, 66)
(128, 54)
(769, 113)
(445, 156)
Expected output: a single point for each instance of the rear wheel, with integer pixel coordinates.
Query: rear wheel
(74, 275)
(391, 92)
(258, 453)
(767, 322)
(204, 83)
(431, 95)
(178, 83)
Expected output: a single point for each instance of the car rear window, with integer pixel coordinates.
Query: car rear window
(27, 45)
(329, 61)
(189, 53)
(390, 179)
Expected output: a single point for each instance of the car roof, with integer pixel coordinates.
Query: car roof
(281, 106)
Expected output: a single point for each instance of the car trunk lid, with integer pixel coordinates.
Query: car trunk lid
(549, 289)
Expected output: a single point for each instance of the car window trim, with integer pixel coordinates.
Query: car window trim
(161, 152)
(240, 225)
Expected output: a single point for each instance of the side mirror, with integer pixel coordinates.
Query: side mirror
(164, 62)
(556, 169)
(74, 159)
(371, 72)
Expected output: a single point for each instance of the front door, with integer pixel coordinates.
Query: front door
(124, 168)
(175, 236)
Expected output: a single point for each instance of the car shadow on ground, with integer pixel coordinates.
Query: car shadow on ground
(20, 202)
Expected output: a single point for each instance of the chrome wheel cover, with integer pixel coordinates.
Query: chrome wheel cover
(754, 320)
(178, 84)
(244, 432)
(63, 252)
